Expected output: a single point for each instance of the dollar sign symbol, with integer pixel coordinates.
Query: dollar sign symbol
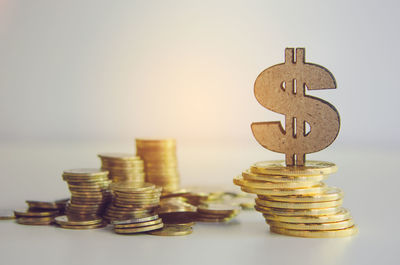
(281, 88)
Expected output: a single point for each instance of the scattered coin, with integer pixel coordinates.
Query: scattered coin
(172, 230)
(136, 230)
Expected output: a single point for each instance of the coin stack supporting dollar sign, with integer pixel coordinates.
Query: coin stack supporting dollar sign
(123, 167)
(160, 162)
(89, 196)
(131, 203)
(294, 201)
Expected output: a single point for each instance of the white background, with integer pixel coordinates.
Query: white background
(82, 77)
(107, 70)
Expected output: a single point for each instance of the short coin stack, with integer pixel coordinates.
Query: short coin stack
(89, 196)
(178, 217)
(138, 225)
(295, 201)
(123, 167)
(216, 212)
(38, 213)
(132, 203)
(160, 162)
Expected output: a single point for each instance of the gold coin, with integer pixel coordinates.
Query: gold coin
(43, 205)
(316, 233)
(118, 156)
(155, 141)
(87, 187)
(214, 208)
(35, 220)
(126, 172)
(317, 189)
(328, 194)
(95, 184)
(278, 167)
(132, 187)
(317, 226)
(88, 202)
(138, 229)
(183, 223)
(152, 189)
(34, 213)
(256, 184)
(342, 215)
(136, 220)
(66, 220)
(248, 175)
(149, 194)
(169, 230)
(86, 179)
(299, 205)
(133, 225)
(213, 220)
(93, 195)
(297, 212)
(82, 217)
(178, 217)
(81, 227)
(137, 206)
(85, 172)
(124, 216)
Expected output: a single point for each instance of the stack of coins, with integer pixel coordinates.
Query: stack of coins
(160, 162)
(295, 201)
(178, 217)
(216, 212)
(72, 223)
(176, 210)
(138, 225)
(132, 201)
(89, 196)
(38, 213)
(123, 167)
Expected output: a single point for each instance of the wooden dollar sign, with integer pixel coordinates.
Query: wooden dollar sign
(281, 88)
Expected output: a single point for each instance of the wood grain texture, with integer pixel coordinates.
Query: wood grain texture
(281, 88)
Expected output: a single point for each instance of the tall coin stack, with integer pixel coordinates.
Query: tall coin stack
(294, 201)
(89, 196)
(131, 203)
(123, 167)
(160, 162)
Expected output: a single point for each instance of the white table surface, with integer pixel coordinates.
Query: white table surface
(369, 177)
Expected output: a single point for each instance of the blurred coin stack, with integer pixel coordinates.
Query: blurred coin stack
(138, 225)
(131, 203)
(89, 196)
(160, 162)
(216, 212)
(38, 213)
(294, 201)
(178, 217)
(123, 167)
